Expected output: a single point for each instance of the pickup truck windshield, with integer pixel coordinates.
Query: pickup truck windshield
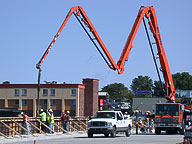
(105, 115)
(171, 109)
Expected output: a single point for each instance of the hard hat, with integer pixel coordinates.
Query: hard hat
(22, 113)
(50, 110)
(68, 112)
(41, 110)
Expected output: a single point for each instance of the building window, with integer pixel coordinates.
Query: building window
(45, 103)
(16, 92)
(73, 92)
(52, 102)
(45, 92)
(24, 92)
(52, 92)
(16, 103)
(73, 103)
(24, 102)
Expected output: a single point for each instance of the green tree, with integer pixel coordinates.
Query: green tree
(118, 92)
(182, 81)
(158, 90)
(6, 82)
(141, 83)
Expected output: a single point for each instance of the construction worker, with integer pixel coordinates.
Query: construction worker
(136, 120)
(126, 115)
(66, 121)
(63, 115)
(148, 120)
(50, 120)
(26, 121)
(43, 116)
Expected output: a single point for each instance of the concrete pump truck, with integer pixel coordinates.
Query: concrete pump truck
(169, 116)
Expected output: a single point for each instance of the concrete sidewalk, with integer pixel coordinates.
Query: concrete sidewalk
(31, 139)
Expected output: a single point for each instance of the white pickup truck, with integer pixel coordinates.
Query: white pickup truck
(109, 122)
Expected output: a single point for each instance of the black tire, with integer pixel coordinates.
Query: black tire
(90, 135)
(128, 132)
(170, 132)
(106, 135)
(182, 130)
(113, 133)
(157, 131)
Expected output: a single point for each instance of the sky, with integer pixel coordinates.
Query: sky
(28, 27)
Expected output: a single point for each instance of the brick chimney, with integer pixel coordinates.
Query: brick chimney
(90, 96)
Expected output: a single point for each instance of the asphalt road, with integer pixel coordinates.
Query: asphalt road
(76, 138)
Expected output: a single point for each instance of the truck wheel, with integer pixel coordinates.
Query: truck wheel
(113, 133)
(128, 132)
(90, 135)
(157, 131)
(106, 135)
(170, 132)
(182, 130)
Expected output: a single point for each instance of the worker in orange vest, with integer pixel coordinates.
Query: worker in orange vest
(26, 121)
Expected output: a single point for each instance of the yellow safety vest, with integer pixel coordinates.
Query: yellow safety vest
(50, 118)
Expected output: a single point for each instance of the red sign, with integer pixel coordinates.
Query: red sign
(101, 102)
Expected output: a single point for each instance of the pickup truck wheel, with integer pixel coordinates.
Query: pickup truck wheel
(90, 135)
(128, 132)
(113, 133)
(170, 132)
(106, 135)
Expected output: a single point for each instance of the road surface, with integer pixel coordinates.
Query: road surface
(76, 138)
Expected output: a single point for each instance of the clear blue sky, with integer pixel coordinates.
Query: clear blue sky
(28, 27)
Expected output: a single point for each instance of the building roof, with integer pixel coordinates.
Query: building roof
(42, 86)
(91, 79)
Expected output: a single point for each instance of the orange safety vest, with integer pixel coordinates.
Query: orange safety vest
(26, 118)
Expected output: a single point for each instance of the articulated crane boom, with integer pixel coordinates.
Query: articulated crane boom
(147, 12)
(80, 15)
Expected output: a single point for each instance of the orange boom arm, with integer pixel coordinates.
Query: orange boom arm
(147, 12)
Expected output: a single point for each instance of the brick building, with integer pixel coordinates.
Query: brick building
(79, 99)
(90, 96)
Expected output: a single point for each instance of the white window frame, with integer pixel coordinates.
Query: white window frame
(45, 90)
(16, 92)
(16, 104)
(52, 92)
(53, 102)
(24, 102)
(43, 102)
(24, 92)
(73, 102)
(73, 92)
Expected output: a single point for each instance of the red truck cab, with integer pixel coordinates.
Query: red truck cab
(169, 118)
